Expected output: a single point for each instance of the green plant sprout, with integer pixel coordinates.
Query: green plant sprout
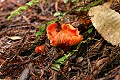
(22, 8)
(42, 28)
(90, 30)
(41, 31)
(60, 61)
(83, 8)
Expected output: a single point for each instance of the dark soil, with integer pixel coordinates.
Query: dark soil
(96, 59)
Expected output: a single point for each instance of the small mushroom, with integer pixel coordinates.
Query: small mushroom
(40, 49)
(68, 35)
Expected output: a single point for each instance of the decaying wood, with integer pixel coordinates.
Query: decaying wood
(107, 23)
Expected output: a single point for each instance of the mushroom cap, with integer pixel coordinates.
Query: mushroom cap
(68, 35)
(40, 49)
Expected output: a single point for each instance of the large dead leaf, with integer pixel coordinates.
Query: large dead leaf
(107, 23)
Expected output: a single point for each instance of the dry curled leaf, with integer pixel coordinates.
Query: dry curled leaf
(107, 23)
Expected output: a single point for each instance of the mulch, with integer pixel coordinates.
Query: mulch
(96, 59)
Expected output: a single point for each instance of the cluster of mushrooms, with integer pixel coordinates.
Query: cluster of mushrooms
(61, 34)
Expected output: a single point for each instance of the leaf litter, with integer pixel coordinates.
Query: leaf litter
(107, 22)
(91, 59)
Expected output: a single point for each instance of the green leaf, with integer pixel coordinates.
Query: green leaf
(47, 1)
(95, 3)
(90, 30)
(56, 67)
(57, 14)
(22, 8)
(29, 4)
(61, 61)
(74, 0)
(38, 34)
(17, 12)
(90, 38)
(65, 57)
(52, 21)
(32, 2)
(78, 9)
(65, 1)
(84, 41)
(81, 9)
(86, 8)
(42, 28)
(41, 31)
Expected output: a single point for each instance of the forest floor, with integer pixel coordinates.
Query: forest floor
(92, 59)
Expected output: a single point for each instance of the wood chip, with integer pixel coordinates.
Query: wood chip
(14, 37)
(107, 23)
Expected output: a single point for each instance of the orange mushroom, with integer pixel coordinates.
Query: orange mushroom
(40, 49)
(68, 35)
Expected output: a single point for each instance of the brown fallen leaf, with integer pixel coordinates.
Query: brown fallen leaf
(107, 4)
(107, 22)
(116, 0)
